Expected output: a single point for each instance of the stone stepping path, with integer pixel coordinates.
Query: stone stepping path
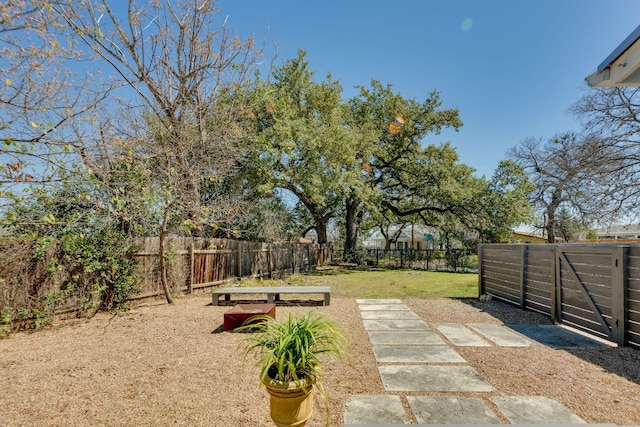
(370, 409)
(405, 338)
(416, 354)
(432, 378)
(501, 335)
(460, 336)
(555, 336)
(414, 358)
(394, 324)
(385, 410)
(534, 410)
(451, 410)
(385, 315)
(383, 307)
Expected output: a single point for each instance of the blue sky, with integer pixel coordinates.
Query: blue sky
(512, 67)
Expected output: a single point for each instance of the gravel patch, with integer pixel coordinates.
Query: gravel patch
(173, 365)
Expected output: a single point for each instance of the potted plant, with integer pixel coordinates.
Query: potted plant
(290, 354)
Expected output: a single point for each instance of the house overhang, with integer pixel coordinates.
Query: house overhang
(621, 67)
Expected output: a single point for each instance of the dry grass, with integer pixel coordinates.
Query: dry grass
(171, 365)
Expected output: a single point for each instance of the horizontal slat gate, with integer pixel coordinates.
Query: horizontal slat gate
(594, 288)
(584, 277)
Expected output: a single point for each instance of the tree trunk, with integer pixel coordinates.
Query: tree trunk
(162, 262)
(321, 230)
(550, 226)
(353, 219)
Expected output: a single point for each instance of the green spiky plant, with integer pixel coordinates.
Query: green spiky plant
(290, 350)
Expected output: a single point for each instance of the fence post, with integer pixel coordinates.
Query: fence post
(480, 269)
(523, 275)
(191, 266)
(556, 295)
(619, 286)
(293, 258)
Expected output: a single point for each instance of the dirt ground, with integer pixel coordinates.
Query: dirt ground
(160, 365)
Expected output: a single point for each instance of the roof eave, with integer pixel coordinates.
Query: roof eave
(622, 66)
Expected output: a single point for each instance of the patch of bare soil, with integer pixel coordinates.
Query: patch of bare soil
(172, 365)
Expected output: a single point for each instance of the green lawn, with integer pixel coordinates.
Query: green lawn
(379, 283)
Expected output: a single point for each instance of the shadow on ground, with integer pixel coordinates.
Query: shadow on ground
(508, 314)
(621, 361)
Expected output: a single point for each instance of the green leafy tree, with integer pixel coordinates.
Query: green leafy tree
(399, 173)
(504, 204)
(93, 258)
(568, 226)
(268, 219)
(303, 144)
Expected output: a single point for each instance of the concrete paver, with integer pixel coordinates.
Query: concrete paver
(397, 314)
(432, 378)
(395, 324)
(460, 336)
(385, 409)
(405, 338)
(378, 301)
(382, 307)
(500, 334)
(451, 410)
(534, 410)
(416, 354)
(556, 336)
(476, 425)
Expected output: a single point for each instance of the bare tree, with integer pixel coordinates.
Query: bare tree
(187, 79)
(42, 97)
(613, 116)
(579, 174)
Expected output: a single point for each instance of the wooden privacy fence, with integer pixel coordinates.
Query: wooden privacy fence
(594, 288)
(196, 263)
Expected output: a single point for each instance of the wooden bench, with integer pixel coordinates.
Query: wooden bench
(272, 292)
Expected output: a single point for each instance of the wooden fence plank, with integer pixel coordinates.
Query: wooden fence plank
(205, 262)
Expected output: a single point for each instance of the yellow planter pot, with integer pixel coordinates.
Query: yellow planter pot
(291, 404)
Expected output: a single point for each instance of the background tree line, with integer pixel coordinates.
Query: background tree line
(156, 119)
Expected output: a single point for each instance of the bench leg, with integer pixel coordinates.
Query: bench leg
(277, 297)
(227, 297)
(327, 298)
(270, 298)
(216, 299)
